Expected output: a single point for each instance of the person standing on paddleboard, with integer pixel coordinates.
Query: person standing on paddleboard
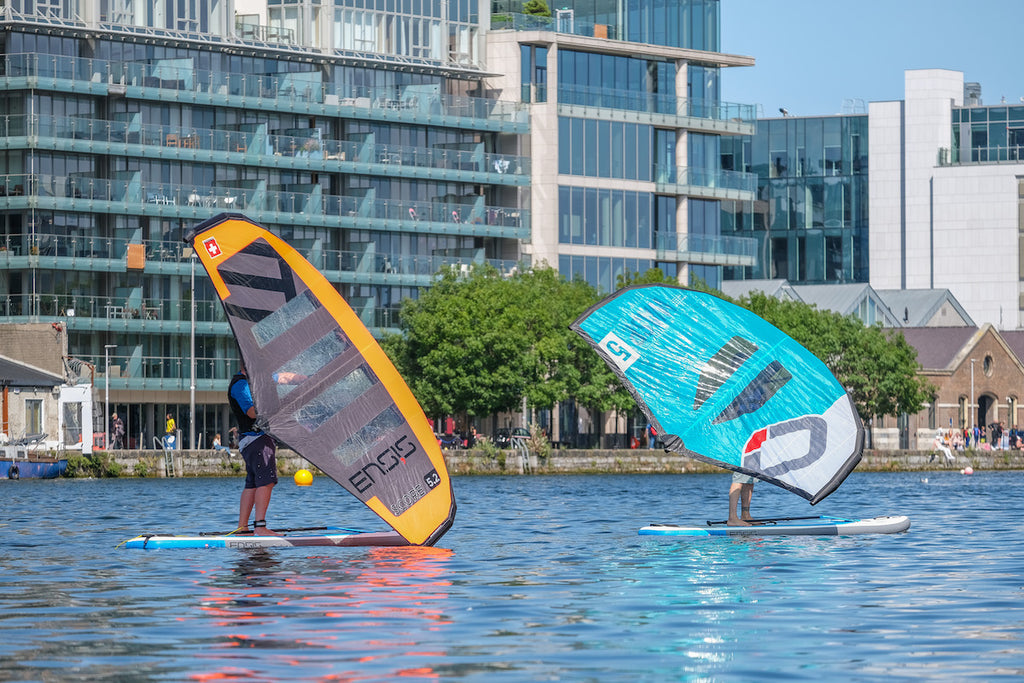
(259, 451)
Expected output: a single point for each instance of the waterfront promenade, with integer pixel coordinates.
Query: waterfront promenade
(208, 463)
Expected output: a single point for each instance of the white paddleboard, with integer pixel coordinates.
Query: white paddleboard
(327, 536)
(799, 526)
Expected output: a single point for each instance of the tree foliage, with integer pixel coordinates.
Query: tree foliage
(878, 367)
(538, 8)
(483, 343)
(653, 276)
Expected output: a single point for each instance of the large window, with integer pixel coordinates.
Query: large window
(689, 23)
(703, 91)
(533, 72)
(603, 272)
(605, 149)
(616, 82)
(605, 217)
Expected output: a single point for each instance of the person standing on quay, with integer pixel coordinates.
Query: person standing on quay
(169, 433)
(116, 432)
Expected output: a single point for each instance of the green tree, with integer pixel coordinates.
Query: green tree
(652, 276)
(878, 367)
(537, 8)
(481, 344)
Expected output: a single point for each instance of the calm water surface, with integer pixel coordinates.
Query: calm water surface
(541, 578)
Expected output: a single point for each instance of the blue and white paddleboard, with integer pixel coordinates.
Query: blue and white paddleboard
(327, 537)
(801, 526)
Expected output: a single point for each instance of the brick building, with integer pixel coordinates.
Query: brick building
(979, 377)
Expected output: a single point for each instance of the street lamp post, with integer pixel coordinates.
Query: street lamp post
(974, 413)
(106, 399)
(192, 357)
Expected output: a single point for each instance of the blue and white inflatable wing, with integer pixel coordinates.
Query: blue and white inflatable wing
(722, 385)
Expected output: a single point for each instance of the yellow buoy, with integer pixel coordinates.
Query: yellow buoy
(303, 478)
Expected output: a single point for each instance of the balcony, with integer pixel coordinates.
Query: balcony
(559, 23)
(178, 80)
(300, 149)
(1000, 154)
(132, 311)
(707, 249)
(704, 183)
(654, 108)
(301, 204)
(169, 373)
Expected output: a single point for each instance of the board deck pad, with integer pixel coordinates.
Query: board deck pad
(800, 526)
(327, 536)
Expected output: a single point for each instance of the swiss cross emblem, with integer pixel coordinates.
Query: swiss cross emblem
(211, 246)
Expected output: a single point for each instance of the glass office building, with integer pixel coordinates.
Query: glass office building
(810, 218)
(364, 137)
(627, 124)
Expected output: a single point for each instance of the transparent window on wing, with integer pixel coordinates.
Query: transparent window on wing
(291, 314)
(335, 398)
(295, 371)
(370, 437)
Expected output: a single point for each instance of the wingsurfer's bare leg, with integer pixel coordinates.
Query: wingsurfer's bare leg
(746, 493)
(262, 502)
(245, 507)
(735, 491)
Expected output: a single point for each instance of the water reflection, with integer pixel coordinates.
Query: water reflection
(268, 612)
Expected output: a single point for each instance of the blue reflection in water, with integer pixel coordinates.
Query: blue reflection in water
(541, 578)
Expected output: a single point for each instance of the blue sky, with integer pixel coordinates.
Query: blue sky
(813, 54)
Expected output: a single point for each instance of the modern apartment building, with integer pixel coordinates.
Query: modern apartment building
(364, 136)
(627, 129)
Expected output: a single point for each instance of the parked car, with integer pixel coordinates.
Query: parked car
(505, 437)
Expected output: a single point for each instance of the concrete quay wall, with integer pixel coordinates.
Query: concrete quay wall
(148, 463)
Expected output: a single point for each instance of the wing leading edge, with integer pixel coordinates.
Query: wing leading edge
(724, 386)
(322, 382)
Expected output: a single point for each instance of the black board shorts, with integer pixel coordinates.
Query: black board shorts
(260, 461)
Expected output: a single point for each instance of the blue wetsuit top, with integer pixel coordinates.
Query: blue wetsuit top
(240, 398)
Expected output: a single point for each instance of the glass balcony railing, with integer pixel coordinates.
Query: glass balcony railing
(285, 89)
(168, 372)
(77, 246)
(264, 34)
(727, 250)
(708, 178)
(998, 154)
(656, 103)
(175, 198)
(120, 311)
(310, 146)
(80, 306)
(554, 24)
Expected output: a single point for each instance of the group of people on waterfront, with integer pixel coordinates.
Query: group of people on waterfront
(995, 437)
(169, 441)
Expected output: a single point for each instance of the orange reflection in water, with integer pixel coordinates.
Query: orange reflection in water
(272, 607)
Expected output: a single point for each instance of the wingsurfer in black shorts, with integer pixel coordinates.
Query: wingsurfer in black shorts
(259, 453)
